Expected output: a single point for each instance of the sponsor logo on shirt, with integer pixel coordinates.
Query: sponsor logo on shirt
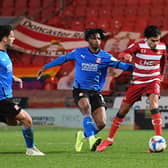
(98, 60)
(147, 63)
(83, 56)
(143, 51)
(89, 67)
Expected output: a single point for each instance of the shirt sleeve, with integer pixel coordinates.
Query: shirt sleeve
(122, 65)
(61, 60)
(163, 62)
(113, 62)
(132, 49)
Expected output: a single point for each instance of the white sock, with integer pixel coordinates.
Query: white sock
(91, 137)
(110, 139)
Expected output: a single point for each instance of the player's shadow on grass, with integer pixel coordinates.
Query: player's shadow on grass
(7, 153)
(140, 152)
(55, 152)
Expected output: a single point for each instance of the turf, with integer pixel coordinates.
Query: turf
(58, 144)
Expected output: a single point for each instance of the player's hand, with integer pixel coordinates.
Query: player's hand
(162, 78)
(18, 80)
(39, 73)
(128, 57)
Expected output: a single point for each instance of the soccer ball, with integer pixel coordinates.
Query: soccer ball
(157, 144)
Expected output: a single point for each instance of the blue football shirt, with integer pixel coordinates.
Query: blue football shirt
(90, 68)
(6, 76)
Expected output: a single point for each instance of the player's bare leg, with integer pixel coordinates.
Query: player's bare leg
(99, 116)
(155, 115)
(89, 127)
(119, 118)
(25, 119)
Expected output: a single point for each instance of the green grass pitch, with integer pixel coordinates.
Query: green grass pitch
(58, 145)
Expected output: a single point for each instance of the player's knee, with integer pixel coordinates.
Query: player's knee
(101, 125)
(86, 108)
(28, 121)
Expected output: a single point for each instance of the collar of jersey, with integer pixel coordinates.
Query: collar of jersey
(3, 50)
(93, 52)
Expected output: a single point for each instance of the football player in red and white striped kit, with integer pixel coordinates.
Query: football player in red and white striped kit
(149, 57)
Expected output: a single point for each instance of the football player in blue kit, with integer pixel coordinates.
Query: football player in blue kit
(9, 110)
(90, 73)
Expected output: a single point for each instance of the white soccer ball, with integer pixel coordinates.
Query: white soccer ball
(157, 144)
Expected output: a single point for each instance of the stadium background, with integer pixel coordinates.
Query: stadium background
(46, 29)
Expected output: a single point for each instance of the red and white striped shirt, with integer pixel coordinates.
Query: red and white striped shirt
(150, 64)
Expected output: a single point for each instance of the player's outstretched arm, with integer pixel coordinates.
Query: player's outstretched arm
(122, 65)
(125, 66)
(58, 61)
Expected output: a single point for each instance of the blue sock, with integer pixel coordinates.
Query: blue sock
(95, 129)
(28, 136)
(89, 127)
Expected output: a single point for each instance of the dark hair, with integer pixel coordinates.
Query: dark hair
(93, 31)
(5, 31)
(152, 31)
